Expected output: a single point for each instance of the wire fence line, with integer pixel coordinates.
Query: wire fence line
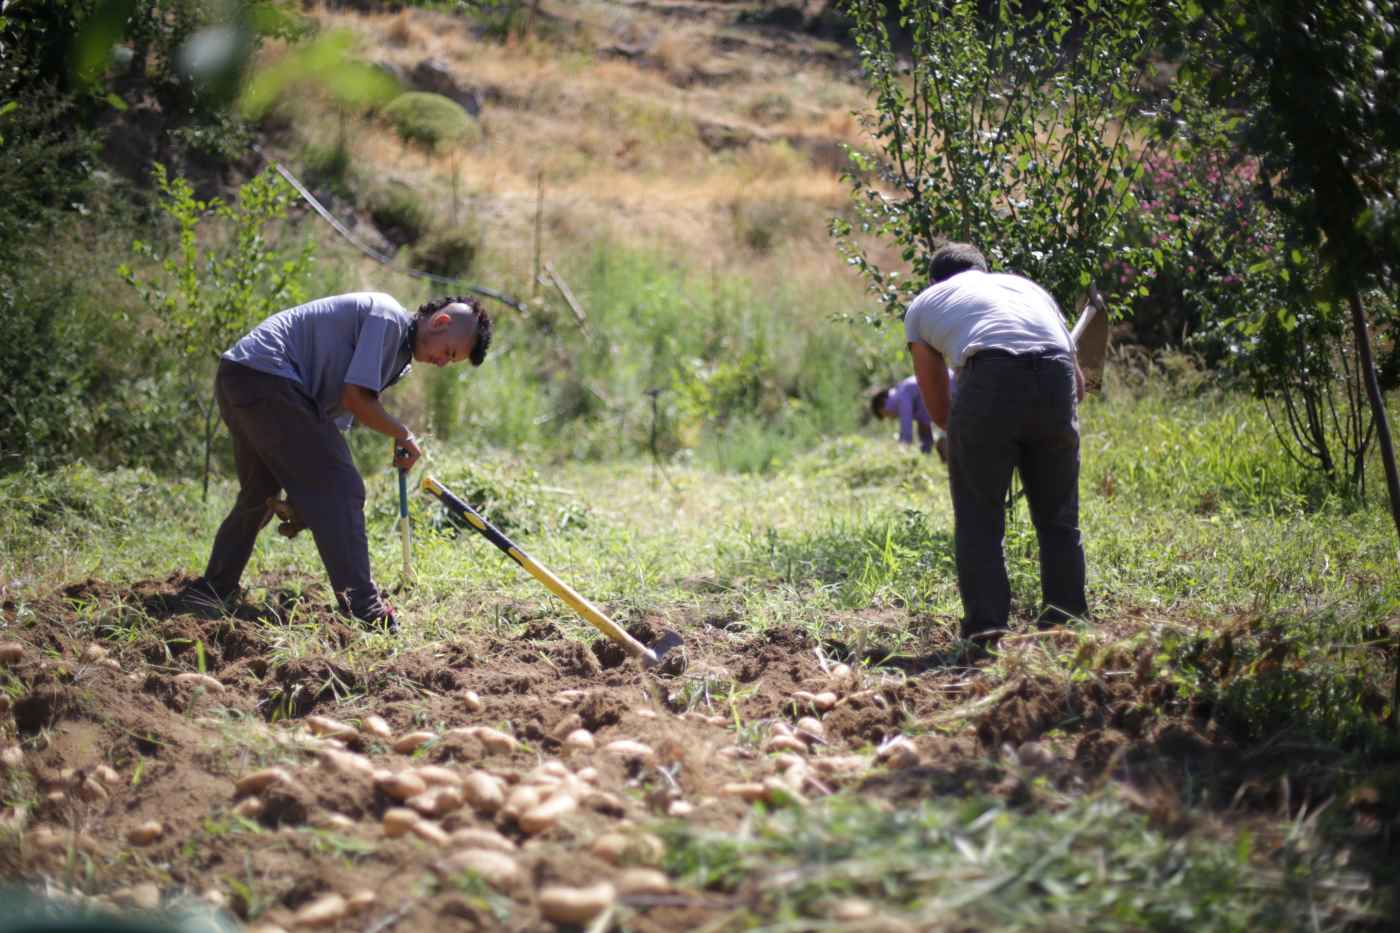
(372, 253)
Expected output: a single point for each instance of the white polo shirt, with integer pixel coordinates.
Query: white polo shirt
(976, 310)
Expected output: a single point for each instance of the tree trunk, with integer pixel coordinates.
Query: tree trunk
(1373, 392)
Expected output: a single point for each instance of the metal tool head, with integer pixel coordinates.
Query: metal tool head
(659, 655)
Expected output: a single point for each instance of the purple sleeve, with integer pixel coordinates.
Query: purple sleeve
(905, 408)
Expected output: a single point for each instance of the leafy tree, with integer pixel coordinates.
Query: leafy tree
(1238, 281)
(1020, 130)
(1319, 85)
(218, 283)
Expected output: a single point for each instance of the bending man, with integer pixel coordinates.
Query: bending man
(1019, 386)
(288, 389)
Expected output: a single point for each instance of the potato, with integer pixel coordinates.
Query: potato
(407, 744)
(785, 743)
(250, 808)
(840, 765)
(898, 753)
(812, 725)
(576, 905)
(91, 790)
(11, 652)
(642, 881)
(1035, 755)
(340, 762)
(610, 847)
(438, 776)
(94, 652)
(399, 820)
(402, 786)
(472, 701)
(143, 896)
(841, 672)
(553, 769)
(192, 679)
(546, 816)
(324, 911)
(429, 831)
(473, 838)
(629, 748)
(641, 847)
(495, 868)
(744, 790)
(12, 756)
(259, 781)
(145, 834)
(483, 791)
(438, 801)
(852, 910)
(494, 740)
(525, 797)
(824, 700)
(377, 727)
(337, 821)
(107, 774)
(331, 728)
(361, 901)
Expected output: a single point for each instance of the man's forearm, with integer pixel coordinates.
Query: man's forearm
(932, 376)
(370, 412)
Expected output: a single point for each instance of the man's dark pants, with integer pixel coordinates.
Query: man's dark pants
(1015, 413)
(280, 441)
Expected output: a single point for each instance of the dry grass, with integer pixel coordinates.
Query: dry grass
(615, 140)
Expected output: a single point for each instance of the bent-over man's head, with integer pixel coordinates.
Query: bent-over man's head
(452, 329)
(951, 258)
(879, 403)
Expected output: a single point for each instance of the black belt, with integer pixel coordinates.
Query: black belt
(994, 353)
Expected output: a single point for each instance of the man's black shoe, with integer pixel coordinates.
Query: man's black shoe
(978, 644)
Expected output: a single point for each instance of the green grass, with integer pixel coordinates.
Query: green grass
(1087, 863)
(1214, 572)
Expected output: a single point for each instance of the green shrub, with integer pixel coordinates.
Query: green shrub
(431, 120)
(445, 252)
(399, 214)
(327, 165)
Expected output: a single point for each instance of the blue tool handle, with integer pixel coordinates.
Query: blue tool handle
(403, 493)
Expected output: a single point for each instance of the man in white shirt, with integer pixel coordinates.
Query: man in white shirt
(1019, 386)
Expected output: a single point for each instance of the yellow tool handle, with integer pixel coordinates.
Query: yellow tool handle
(590, 613)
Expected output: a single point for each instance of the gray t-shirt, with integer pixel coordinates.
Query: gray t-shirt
(977, 310)
(359, 338)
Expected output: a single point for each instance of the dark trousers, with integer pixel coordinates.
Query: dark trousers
(1015, 413)
(280, 441)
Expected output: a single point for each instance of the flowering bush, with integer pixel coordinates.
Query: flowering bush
(1237, 281)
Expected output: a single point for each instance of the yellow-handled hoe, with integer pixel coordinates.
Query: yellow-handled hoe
(650, 657)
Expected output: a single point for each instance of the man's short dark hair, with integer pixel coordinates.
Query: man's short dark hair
(951, 258)
(483, 321)
(877, 402)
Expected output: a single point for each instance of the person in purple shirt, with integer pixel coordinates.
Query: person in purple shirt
(287, 390)
(904, 402)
